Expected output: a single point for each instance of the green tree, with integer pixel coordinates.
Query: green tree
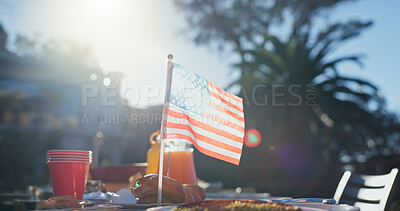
(31, 125)
(23, 148)
(53, 51)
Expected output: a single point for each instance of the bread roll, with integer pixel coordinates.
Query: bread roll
(197, 190)
(191, 196)
(146, 189)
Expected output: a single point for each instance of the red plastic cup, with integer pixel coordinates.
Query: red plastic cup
(81, 152)
(69, 175)
(68, 158)
(59, 155)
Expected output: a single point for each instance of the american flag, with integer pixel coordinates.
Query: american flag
(207, 116)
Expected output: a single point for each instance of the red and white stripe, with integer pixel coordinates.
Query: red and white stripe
(218, 132)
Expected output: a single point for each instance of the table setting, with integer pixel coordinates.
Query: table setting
(69, 173)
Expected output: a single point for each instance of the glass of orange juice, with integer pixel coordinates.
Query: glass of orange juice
(179, 163)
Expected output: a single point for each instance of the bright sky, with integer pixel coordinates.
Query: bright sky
(135, 37)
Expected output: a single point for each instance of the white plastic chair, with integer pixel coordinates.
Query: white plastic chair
(368, 192)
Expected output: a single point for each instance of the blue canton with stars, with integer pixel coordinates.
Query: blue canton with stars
(189, 91)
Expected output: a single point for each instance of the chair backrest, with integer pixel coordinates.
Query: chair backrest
(368, 192)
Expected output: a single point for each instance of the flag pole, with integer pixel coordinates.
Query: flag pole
(170, 66)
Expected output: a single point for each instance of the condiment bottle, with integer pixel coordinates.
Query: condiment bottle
(153, 154)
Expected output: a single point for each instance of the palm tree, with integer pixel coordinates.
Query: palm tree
(320, 103)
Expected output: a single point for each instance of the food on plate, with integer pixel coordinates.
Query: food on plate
(59, 202)
(194, 193)
(189, 197)
(146, 189)
(132, 179)
(247, 205)
(198, 190)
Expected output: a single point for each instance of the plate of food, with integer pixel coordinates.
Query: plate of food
(254, 196)
(146, 190)
(232, 204)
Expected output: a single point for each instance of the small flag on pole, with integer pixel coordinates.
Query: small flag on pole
(207, 116)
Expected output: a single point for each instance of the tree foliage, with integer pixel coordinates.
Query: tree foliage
(347, 116)
(23, 148)
(60, 51)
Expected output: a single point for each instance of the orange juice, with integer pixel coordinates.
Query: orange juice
(181, 166)
(153, 157)
(153, 154)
